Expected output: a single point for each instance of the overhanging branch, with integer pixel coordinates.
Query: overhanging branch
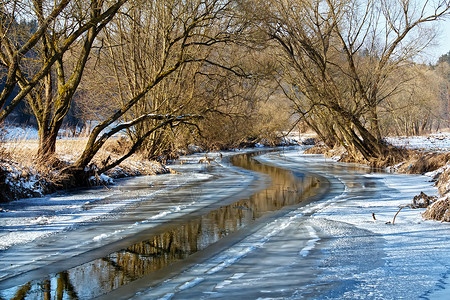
(166, 120)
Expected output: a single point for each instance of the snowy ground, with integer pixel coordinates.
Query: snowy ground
(437, 142)
(14, 133)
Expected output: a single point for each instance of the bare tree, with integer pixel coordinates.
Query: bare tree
(417, 106)
(338, 56)
(137, 47)
(177, 30)
(240, 108)
(13, 51)
(51, 78)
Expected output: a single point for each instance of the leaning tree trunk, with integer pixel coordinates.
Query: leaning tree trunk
(374, 123)
(370, 146)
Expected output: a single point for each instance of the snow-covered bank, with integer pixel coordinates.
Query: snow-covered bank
(416, 256)
(21, 177)
(437, 142)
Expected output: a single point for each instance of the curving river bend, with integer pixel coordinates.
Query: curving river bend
(247, 227)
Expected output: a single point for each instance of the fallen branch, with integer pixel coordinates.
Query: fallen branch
(401, 207)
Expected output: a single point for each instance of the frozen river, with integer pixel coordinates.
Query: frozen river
(273, 225)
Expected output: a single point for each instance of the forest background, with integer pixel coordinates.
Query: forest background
(151, 78)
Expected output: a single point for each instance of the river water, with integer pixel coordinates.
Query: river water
(264, 192)
(269, 225)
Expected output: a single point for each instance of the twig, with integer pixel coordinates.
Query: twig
(401, 207)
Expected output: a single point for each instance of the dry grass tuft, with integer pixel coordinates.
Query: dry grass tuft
(443, 182)
(317, 149)
(420, 163)
(119, 146)
(438, 211)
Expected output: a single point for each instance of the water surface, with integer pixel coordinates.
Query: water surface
(151, 255)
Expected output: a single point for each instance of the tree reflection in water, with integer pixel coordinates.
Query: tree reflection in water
(106, 274)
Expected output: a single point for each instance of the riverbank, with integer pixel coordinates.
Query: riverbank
(426, 155)
(367, 254)
(33, 218)
(20, 177)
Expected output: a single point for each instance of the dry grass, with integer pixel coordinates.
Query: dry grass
(68, 150)
(412, 161)
(438, 211)
(391, 157)
(21, 176)
(443, 182)
(420, 163)
(317, 149)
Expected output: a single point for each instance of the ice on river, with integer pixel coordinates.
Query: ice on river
(332, 248)
(35, 232)
(29, 219)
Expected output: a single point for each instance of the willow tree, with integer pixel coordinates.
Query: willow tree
(16, 46)
(176, 30)
(338, 55)
(136, 47)
(60, 48)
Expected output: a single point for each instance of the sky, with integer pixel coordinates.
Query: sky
(442, 41)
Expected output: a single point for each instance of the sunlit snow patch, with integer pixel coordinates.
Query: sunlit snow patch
(311, 243)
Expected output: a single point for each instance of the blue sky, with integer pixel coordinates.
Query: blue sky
(443, 40)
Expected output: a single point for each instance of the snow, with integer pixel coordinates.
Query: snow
(13, 133)
(358, 257)
(25, 180)
(100, 179)
(311, 243)
(347, 253)
(438, 142)
(29, 133)
(191, 283)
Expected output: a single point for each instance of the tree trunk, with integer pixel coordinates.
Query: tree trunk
(47, 144)
(374, 124)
